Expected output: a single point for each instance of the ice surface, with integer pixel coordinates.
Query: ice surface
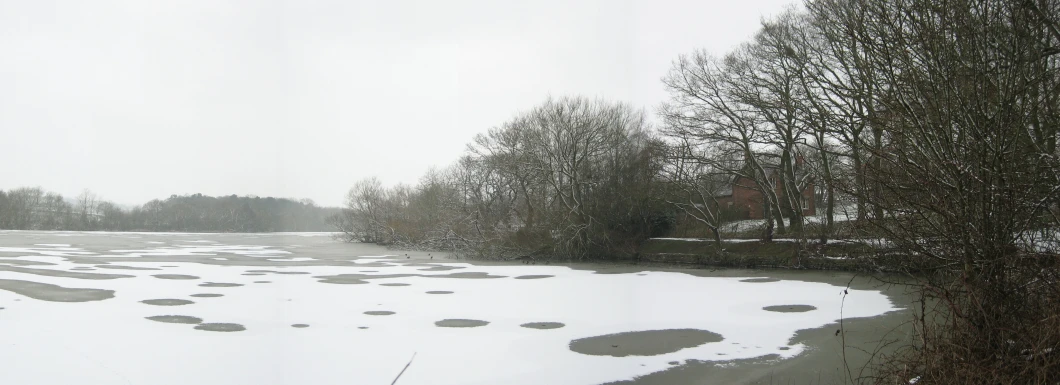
(113, 342)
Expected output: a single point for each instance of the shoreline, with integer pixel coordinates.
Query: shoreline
(686, 253)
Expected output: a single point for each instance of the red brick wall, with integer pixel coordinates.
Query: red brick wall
(810, 200)
(747, 198)
(751, 200)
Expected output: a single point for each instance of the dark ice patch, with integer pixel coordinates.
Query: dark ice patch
(167, 302)
(643, 343)
(543, 325)
(220, 327)
(790, 308)
(760, 280)
(220, 284)
(175, 276)
(467, 275)
(534, 276)
(176, 319)
(123, 267)
(461, 323)
(54, 293)
(62, 273)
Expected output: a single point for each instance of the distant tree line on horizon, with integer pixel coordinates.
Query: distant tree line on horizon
(32, 208)
(937, 119)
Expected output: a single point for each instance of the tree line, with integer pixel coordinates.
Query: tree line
(937, 119)
(32, 208)
(573, 176)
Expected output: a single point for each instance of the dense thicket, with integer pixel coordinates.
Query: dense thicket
(938, 120)
(963, 95)
(35, 209)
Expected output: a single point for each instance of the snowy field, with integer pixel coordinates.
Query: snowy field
(270, 309)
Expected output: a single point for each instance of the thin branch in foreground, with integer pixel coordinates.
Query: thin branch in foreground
(404, 369)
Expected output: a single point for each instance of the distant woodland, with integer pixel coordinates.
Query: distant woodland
(32, 208)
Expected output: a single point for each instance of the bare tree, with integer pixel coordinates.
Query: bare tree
(960, 99)
(86, 208)
(706, 107)
(695, 182)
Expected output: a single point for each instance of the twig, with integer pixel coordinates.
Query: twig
(842, 329)
(403, 369)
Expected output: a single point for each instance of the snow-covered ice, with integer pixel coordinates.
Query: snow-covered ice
(110, 342)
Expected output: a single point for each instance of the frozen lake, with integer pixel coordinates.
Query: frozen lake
(138, 308)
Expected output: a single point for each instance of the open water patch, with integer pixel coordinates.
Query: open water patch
(54, 293)
(220, 327)
(167, 302)
(440, 268)
(759, 280)
(461, 323)
(790, 308)
(220, 284)
(123, 267)
(175, 276)
(643, 343)
(534, 276)
(467, 275)
(357, 279)
(543, 325)
(176, 319)
(63, 274)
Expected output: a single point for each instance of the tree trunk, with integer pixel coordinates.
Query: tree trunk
(778, 216)
(829, 212)
(717, 239)
(859, 186)
(829, 208)
(877, 165)
(768, 215)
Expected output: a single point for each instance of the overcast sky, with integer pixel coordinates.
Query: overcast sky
(138, 100)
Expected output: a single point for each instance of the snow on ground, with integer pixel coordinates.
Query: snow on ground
(110, 342)
(685, 239)
(841, 213)
(878, 242)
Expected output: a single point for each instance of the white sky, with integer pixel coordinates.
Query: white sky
(138, 100)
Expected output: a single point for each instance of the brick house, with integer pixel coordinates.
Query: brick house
(739, 195)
